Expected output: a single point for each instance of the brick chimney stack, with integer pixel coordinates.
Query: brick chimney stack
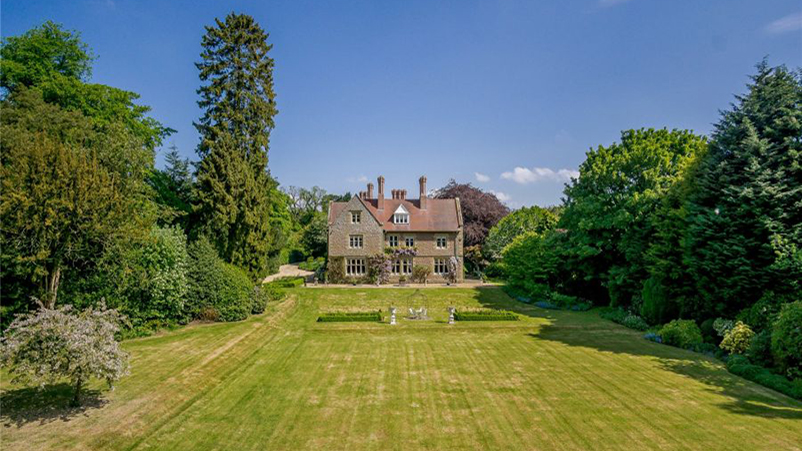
(380, 180)
(402, 194)
(423, 201)
(370, 191)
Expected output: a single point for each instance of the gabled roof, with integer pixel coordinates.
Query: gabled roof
(441, 215)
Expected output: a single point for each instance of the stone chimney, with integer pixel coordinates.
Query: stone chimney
(370, 191)
(380, 180)
(423, 200)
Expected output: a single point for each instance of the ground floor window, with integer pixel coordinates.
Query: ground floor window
(402, 266)
(354, 266)
(440, 266)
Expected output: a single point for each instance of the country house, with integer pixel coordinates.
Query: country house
(423, 231)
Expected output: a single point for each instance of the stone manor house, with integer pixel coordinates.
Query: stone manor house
(367, 225)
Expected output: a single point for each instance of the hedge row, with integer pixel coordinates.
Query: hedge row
(347, 317)
(739, 365)
(491, 315)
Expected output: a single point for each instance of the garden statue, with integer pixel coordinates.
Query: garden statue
(451, 311)
(392, 316)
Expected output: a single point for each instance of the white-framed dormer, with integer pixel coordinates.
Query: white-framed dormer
(401, 215)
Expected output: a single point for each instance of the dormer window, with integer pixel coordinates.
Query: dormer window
(401, 215)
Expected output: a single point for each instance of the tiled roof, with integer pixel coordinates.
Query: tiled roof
(441, 215)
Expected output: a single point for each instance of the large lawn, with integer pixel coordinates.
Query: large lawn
(555, 380)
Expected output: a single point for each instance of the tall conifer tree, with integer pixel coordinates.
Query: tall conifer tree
(745, 220)
(234, 188)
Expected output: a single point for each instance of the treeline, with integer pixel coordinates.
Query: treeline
(669, 225)
(87, 218)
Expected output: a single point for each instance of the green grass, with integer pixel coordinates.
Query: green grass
(554, 380)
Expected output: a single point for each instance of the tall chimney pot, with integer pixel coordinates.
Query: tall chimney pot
(370, 190)
(423, 200)
(380, 202)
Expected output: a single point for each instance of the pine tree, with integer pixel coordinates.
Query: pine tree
(234, 188)
(747, 211)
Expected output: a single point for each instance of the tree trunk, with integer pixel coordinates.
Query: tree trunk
(76, 400)
(52, 288)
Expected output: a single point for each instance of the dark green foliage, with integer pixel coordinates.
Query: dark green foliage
(173, 190)
(485, 315)
(760, 315)
(786, 339)
(529, 262)
(312, 264)
(657, 307)
(740, 366)
(349, 317)
(682, 333)
(216, 285)
(609, 209)
(745, 218)
(235, 197)
(262, 295)
(521, 221)
(288, 282)
(314, 236)
(759, 351)
(624, 318)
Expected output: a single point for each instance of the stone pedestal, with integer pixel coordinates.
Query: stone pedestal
(392, 316)
(451, 311)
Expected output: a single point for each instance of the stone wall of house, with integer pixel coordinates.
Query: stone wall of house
(340, 231)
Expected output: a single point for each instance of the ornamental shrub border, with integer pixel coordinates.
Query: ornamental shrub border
(485, 315)
(349, 317)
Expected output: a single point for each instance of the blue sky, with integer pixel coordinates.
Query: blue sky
(508, 95)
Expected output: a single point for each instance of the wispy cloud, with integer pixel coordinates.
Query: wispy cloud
(791, 22)
(360, 179)
(503, 197)
(609, 3)
(525, 176)
(481, 177)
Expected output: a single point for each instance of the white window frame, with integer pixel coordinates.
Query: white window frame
(402, 266)
(392, 240)
(440, 266)
(355, 241)
(356, 217)
(354, 266)
(437, 241)
(409, 241)
(401, 215)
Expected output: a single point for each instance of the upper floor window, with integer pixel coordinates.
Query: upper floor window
(392, 240)
(356, 217)
(409, 241)
(355, 241)
(441, 242)
(401, 215)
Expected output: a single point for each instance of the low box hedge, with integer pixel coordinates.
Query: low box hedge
(489, 315)
(349, 317)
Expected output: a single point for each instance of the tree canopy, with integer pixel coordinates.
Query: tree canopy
(480, 210)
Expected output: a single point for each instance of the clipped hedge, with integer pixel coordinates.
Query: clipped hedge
(489, 315)
(287, 282)
(349, 317)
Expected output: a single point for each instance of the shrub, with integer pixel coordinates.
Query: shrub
(615, 315)
(739, 365)
(722, 326)
(737, 340)
(217, 285)
(261, 295)
(312, 264)
(562, 300)
(657, 306)
(335, 270)
(759, 351)
(760, 315)
(347, 317)
(485, 315)
(635, 322)
(682, 333)
(709, 334)
(786, 339)
(379, 267)
(287, 282)
(421, 273)
(651, 336)
(547, 305)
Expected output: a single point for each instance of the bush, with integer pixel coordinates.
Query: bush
(722, 326)
(682, 333)
(651, 336)
(786, 339)
(615, 315)
(335, 270)
(762, 313)
(485, 315)
(347, 317)
(287, 282)
(709, 334)
(635, 322)
(217, 285)
(739, 365)
(421, 273)
(759, 351)
(312, 264)
(657, 307)
(737, 340)
(261, 295)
